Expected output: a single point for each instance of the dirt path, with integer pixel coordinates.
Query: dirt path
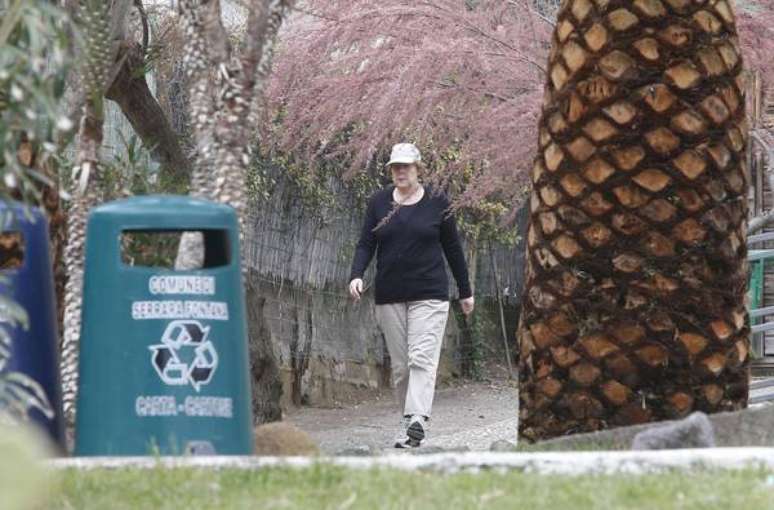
(467, 415)
(470, 415)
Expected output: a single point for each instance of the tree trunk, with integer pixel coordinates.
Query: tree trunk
(223, 109)
(130, 91)
(104, 25)
(633, 307)
(223, 125)
(264, 369)
(74, 261)
(207, 47)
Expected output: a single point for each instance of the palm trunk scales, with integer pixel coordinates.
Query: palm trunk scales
(633, 307)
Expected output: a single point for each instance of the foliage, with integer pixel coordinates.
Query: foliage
(132, 172)
(310, 188)
(33, 60)
(322, 188)
(331, 487)
(19, 394)
(319, 191)
(446, 76)
(488, 218)
(451, 76)
(755, 23)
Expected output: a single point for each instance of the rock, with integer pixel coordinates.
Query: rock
(748, 427)
(283, 439)
(501, 445)
(429, 450)
(695, 431)
(357, 451)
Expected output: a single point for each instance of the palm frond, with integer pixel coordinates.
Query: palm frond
(25, 394)
(13, 314)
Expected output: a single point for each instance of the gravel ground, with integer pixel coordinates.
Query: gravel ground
(470, 416)
(466, 416)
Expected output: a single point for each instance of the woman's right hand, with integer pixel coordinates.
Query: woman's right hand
(356, 288)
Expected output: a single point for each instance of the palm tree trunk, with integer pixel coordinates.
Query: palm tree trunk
(74, 259)
(223, 123)
(225, 106)
(103, 26)
(633, 309)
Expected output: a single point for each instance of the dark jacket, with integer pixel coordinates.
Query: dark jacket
(409, 249)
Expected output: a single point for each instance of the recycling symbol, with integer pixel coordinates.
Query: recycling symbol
(185, 355)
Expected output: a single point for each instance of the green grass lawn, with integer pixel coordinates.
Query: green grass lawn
(338, 488)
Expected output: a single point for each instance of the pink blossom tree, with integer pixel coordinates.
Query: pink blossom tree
(756, 33)
(464, 79)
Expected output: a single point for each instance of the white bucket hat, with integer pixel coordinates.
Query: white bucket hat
(404, 153)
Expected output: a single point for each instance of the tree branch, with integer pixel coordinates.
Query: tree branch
(314, 14)
(257, 25)
(277, 13)
(535, 12)
(145, 28)
(519, 54)
(759, 222)
(131, 92)
(218, 45)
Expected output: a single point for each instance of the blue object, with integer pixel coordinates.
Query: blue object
(33, 367)
(163, 354)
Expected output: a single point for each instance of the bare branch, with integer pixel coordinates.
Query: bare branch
(315, 14)
(759, 222)
(534, 12)
(257, 25)
(145, 28)
(520, 54)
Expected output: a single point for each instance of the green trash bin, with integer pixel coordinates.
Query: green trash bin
(163, 353)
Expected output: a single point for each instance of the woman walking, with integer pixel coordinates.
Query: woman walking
(411, 230)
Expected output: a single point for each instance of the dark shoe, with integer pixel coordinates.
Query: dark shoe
(417, 430)
(401, 438)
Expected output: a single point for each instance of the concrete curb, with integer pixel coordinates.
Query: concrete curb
(564, 463)
(732, 429)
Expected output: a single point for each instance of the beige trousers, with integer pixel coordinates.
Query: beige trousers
(413, 332)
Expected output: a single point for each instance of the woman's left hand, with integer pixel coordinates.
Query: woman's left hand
(467, 305)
